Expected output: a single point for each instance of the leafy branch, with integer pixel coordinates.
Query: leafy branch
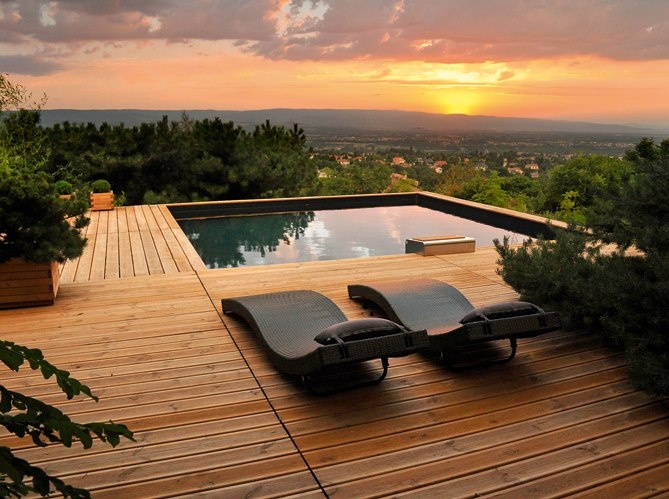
(27, 416)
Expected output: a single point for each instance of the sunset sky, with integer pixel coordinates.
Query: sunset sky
(595, 60)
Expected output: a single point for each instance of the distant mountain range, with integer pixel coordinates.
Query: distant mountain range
(314, 120)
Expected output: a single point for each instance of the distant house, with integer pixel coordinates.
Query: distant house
(343, 160)
(514, 170)
(438, 166)
(532, 167)
(398, 160)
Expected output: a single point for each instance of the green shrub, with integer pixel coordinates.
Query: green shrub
(120, 199)
(35, 224)
(63, 187)
(101, 185)
(623, 295)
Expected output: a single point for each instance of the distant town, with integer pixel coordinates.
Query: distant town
(409, 140)
(521, 153)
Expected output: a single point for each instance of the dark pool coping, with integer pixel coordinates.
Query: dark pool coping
(523, 223)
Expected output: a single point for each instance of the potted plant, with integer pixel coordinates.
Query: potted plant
(64, 189)
(102, 196)
(38, 230)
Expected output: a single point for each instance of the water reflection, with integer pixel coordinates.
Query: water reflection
(325, 235)
(225, 242)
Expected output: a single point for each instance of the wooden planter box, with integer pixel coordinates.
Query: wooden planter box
(27, 284)
(102, 201)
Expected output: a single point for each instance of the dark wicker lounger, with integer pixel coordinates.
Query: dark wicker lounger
(305, 333)
(448, 316)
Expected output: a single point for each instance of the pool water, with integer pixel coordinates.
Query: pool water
(248, 240)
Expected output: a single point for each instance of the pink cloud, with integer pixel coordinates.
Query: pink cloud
(502, 56)
(457, 30)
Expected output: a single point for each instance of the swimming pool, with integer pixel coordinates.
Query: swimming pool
(326, 234)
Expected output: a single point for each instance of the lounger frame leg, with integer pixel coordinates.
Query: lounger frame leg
(309, 382)
(513, 342)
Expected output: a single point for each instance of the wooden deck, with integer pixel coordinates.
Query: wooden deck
(132, 241)
(212, 418)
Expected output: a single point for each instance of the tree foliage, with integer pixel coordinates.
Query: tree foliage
(572, 188)
(187, 160)
(591, 277)
(37, 225)
(360, 177)
(26, 416)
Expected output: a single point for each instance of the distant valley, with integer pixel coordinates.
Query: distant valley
(339, 120)
(355, 130)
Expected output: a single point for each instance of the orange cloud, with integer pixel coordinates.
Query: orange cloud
(596, 60)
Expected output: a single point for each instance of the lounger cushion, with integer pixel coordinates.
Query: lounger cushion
(358, 329)
(500, 311)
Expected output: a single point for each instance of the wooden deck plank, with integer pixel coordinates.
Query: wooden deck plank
(169, 219)
(167, 264)
(151, 256)
(112, 265)
(85, 261)
(139, 264)
(140, 218)
(111, 262)
(469, 470)
(68, 270)
(181, 260)
(288, 467)
(623, 468)
(184, 387)
(98, 263)
(112, 221)
(186, 247)
(150, 253)
(131, 218)
(124, 251)
(163, 217)
(341, 430)
(160, 217)
(125, 259)
(236, 430)
(184, 459)
(651, 482)
(213, 418)
(299, 487)
(99, 259)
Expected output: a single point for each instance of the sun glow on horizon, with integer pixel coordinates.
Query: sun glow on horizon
(574, 89)
(593, 62)
(458, 101)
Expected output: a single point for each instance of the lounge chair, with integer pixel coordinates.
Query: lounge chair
(450, 319)
(306, 333)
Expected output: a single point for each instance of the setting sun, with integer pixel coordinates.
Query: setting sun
(458, 101)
